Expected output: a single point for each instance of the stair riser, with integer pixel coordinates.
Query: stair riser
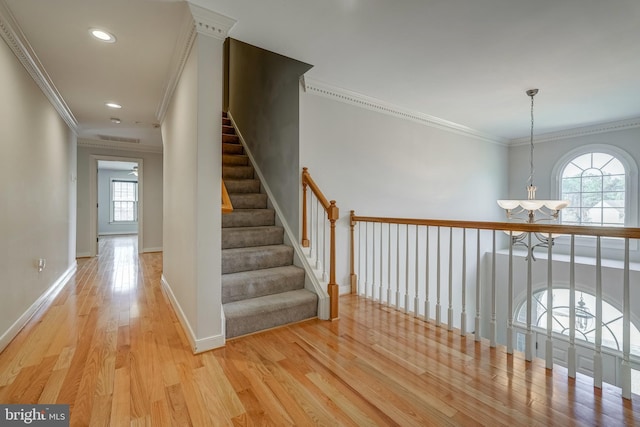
(233, 139)
(249, 201)
(234, 160)
(237, 172)
(232, 149)
(241, 286)
(248, 218)
(242, 186)
(249, 237)
(265, 319)
(228, 130)
(234, 260)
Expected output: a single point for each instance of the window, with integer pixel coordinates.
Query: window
(595, 185)
(585, 308)
(124, 201)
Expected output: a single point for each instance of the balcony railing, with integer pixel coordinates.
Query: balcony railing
(449, 272)
(317, 211)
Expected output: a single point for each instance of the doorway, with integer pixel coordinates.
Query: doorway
(116, 192)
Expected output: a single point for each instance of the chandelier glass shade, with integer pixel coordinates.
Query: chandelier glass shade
(532, 210)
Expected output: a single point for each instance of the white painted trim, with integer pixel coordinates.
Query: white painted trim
(210, 23)
(323, 295)
(147, 250)
(353, 98)
(48, 295)
(93, 198)
(122, 146)
(14, 37)
(83, 255)
(197, 345)
(579, 131)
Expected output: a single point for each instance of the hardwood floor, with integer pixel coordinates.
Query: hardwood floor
(111, 347)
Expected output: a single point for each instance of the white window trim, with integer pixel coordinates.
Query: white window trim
(111, 207)
(631, 192)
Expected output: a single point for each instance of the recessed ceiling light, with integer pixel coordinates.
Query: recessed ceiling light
(115, 120)
(112, 105)
(102, 35)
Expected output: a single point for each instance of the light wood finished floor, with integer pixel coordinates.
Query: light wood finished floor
(110, 346)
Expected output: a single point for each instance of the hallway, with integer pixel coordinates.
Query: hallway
(110, 346)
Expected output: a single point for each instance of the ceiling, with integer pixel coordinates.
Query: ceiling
(464, 61)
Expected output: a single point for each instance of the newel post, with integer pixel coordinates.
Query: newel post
(305, 238)
(333, 289)
(354, 278)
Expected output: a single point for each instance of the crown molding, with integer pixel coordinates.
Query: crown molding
(14, 37)
(348, 97)
(210, 23)
(580, 131)
(196, 20)
(121, 146)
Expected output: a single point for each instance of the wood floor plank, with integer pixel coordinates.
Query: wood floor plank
(110, 346)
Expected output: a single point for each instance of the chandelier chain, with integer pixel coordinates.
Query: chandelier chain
(531, 146)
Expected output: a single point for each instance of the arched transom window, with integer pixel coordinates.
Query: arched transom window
(594, 184)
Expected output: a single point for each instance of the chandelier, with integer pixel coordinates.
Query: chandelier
(532, 210)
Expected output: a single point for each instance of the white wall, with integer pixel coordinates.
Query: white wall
(381, 165)
(191, 132)
(37, 193)
(105, 225)
(152, 197)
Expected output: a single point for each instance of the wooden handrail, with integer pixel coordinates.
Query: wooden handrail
(227, 207)
(621, 232)
(333, 213)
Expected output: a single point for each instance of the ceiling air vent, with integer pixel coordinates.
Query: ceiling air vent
(118, 139)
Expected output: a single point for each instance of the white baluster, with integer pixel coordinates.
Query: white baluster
(463, 313)
(324, 250)
(450, 309)
(360, 246)
(438, 306)
(478, 336)
(366, 260)
(312, 242)
(528, 345)
(510, 299)
(373, 262)
(397, 266)
(406, 271)
(389, 266)
(492, 323)
(318, 216)
(416, 299)
(427, 303)
(626, 327)
(572, 310)
(597, 358)
(380, 293)
(549, 343)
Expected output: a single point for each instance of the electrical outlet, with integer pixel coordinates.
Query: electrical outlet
(42, 263)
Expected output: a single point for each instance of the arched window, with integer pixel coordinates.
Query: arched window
(585, 318)
(595, 185)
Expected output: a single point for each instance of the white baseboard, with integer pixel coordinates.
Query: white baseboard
(197, 345)
(49, 294)
(158, 249)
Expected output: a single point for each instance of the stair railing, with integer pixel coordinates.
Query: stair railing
(404, 263)
(227, 206)
(314, 238)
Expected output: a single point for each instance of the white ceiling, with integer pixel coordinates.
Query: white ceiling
(464, 61)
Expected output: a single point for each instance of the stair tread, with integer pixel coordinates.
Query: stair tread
(236, 237)
(256, 258)
(256, 283)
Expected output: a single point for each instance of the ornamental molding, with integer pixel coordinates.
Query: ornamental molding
(580, 131)
(326, 90)
(196, 20)
(14, 37)
(120, 146)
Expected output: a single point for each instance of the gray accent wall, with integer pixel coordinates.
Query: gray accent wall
(263, 97)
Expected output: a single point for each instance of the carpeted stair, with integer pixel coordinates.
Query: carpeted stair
(261, 288)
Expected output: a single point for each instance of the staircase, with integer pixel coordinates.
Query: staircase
(261, 288)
